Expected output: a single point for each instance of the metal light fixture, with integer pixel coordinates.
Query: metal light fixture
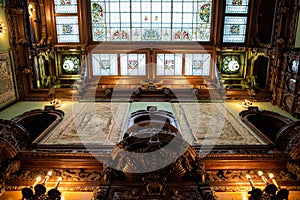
(2, 28)
(271, 190)
(39, 191)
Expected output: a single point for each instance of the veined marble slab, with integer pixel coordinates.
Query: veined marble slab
(102, 123)
(212, 124)
(91, 123)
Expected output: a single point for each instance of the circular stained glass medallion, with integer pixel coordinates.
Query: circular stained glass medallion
(70, 64)
(230, 64)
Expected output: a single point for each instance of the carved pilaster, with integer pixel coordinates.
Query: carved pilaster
(19, 38)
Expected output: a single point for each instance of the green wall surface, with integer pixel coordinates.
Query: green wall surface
(4, 42)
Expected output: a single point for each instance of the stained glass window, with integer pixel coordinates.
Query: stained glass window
(169, 64)
(234, 29)
(66, 18)
(67, 29)
(235, 21)
(236, 6)
(197, 64)
(133, 64)
(65, 6)
(105, 64)
(151, 20)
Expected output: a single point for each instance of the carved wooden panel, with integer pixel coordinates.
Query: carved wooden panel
(290, 82)
(7, 89)
(265, 21)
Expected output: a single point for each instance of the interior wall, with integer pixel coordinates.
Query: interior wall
(4, 43)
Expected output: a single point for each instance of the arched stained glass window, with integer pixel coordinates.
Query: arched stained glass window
(151, 20)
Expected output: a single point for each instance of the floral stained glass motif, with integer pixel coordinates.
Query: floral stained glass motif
(204, 13)
(67, 29)
(169, 64)
(151, 35)
(197, 64)
(120, 35)
(105, 64)
(65, 6)
(97, 11)
(71, 65)
(236, 6)
(133, 64)
(151, 20)
(98, 20)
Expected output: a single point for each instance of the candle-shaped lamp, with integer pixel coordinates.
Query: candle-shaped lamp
(273, 180)
(260, 173)
(37, 180)
(58, 182)
(47, 177)
(250, 180)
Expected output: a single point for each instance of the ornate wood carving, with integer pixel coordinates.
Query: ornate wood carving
(264, 123)
(12, 140)
(38, 123)
(19, 38)
(288, 139)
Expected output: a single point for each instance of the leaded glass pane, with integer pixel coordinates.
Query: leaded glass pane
(203, 22)
(236, 6)
(67, 29)
(133, 64)
(197, 64)
(169, 64)
(151, 20)
(105, 64)
(98, 20)
(65, 6)
(234, 29)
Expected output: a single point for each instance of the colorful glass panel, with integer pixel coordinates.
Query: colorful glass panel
(234, 29)
(133, 64)
(236, 6)
(98, 20)
(151, 20)
(67, 29)
(197, 64)
(65, 6)
(169, 64)
(105, 64)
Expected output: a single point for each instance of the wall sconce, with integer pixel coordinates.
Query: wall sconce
(2, 28)
(56, 103)
(53, 100)
(31, 10)
(246, 103)
(271, 190)
(39, 191)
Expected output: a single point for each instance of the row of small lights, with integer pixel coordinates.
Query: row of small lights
(265, 180)
(46, 178)
(38, 179)
(2, 28)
